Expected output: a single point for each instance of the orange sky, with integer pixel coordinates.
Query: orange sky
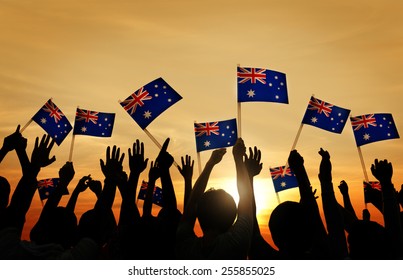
(93, 53)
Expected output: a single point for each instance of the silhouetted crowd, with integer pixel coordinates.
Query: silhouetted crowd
(229, 230)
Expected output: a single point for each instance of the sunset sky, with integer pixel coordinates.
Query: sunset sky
(94, 53)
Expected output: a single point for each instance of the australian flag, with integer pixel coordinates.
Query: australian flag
(214, 135)
(47, 186)
(325, 115)
(258, 84)
(148, 102)
(53, 121)
(93, 123)
(157, 194)
(373, 127)
(283, 179)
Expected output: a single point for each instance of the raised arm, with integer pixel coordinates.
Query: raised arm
(343, 187)
(82, 185)
(259, 248)
(383, 171)
(187, 173)
(189, 214)
(153, 175)
(333, 216)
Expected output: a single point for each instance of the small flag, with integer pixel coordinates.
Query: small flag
(325, 115)
(157, 194)
(93, 123)
(283, 179)
(53, 121)
(373, 192)
(258, 84)
(373, 127)
(213, 135)
(47, 186)
(151, 100)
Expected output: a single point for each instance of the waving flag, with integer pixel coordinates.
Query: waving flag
(373, 127)
(325, 115)
(258, 84)
(148, 102)
(47, 186)
(53, 121)
(93, 123)
(213, 135)
(283, 180)
(157, 194)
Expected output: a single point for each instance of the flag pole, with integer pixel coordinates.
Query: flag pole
(239, 120)
(294, 144)
(71, 147)
(363, 168)
(26, 125)
(156, 142)
(278, 198)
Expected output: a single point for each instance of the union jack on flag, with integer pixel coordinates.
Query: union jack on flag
(93, 123)
(53, 121)
(47, 186)
(283, 179)
(373, 127)
(259, 84)
(151, 100)
(326, 116)
(214, 135)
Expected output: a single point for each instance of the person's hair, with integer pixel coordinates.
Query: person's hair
(216, 210)
(290, 230)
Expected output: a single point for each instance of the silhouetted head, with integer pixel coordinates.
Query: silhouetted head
(216, 210)
(366, 240)
(4, 192)
(99, 226)
(290, 229)
(58, 226)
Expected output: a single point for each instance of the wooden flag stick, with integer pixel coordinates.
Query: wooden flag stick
(71, 147)
(156, 142)
(26, 125)
(363, 169)
(278, 198)
(294, 145)
(239, 120)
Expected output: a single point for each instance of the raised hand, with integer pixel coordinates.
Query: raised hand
(83, 183)
(95, 186)
(40, 154)
(113, 166)
(325, 168)
(383, 171)
(187, 167)
(164, 159)
(343, 187)
(295, 160)
(66, 173)
(239, 149)
(154, 172)
(137, 163)
(253, 162)
(11, 141)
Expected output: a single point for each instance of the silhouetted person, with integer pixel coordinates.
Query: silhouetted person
(216, 211)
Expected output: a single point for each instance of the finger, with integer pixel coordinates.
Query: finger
(37, 142)
(108, 153)
(142, 148)
(165, 145)
(52, 160)
(18, 129)
(121, 158)
(182, 161)
(51, 144)
(130, 153)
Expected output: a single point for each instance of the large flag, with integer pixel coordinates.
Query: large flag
(214, 135)
(93, 123)
(283, 179)
(47, 186)
(148, 102)
(325, 115)
(53, 121)
(157, 194)
(258, 84)
(373, 127)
